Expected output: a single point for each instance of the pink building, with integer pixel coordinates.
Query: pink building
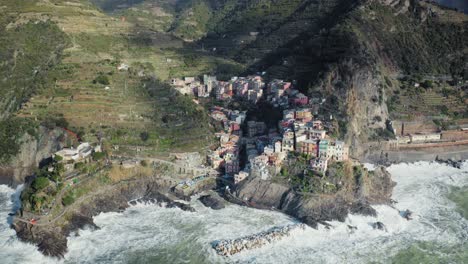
(300, 99)
(232, 167)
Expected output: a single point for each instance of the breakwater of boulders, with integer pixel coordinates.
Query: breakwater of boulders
(233, 246)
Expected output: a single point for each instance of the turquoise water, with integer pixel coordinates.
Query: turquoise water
(459, 195)
(429, 252)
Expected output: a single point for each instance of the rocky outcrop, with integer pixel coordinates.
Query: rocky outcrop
(52, 238)
(356, 196)
(234, 246)
(33, 150)
(457, 164)
(212, 202)
(359, 93)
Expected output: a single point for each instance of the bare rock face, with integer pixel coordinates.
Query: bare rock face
(212, 202)
(32, 151)
(356, 197)
(362, 97)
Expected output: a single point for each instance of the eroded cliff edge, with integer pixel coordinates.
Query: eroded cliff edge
(50, 235)
(33, 148)
(355, 191)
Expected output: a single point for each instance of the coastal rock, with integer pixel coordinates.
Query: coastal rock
(211, 202)
(51, 237)
(407, 214)
(163, 201)
(379, 226)
(356, 197)
(363, 208)
(457, 164)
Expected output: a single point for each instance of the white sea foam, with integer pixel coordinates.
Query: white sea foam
(148, 233)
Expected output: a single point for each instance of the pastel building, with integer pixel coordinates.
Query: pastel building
(319, 164)
(308, 147)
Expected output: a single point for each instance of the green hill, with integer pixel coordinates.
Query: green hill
(362, 57)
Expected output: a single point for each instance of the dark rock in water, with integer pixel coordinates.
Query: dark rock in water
(184, 207)
(406, 214)
(52, 245)
(79, 221)
(162, 200)
(211, 202)
(363, 208)
(452, 163)
(352, 228)
(379, 226)
(169, 203)
(352, 197)
(51, 239)
(49, 242)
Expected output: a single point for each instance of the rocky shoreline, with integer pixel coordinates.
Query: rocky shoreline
(51, 239)
(355, 197)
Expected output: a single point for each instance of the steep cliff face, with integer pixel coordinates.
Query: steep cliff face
(32, 150)
(363, 54)
(360, 189)
(358, 96)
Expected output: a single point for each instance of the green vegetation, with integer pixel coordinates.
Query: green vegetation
(43, 189)
(297, 174)
(11, 132)
(433, 98)
(26, 65)
(68, 199)
(40, 183)
(99, 155)
(181, 123)
(102, 79)
(434, 47)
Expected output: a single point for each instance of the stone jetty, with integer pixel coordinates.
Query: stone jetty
(233, 246)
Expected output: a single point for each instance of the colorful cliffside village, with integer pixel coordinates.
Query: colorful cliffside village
(263, 149)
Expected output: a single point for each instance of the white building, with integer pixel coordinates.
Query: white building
(337, 151)
(242, 175)
(83, 151)
(278, 148)
(320, 164)
(316, 134)
(259, 167)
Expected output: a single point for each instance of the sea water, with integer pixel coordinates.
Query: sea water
(436, 193)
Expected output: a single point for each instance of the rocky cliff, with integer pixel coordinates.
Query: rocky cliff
(51, 236)
(32, 150)
(359, 190)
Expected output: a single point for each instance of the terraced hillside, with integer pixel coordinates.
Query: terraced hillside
(65, 66)
(350, 53)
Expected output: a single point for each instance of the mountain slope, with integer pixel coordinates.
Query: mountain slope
(354, 55)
